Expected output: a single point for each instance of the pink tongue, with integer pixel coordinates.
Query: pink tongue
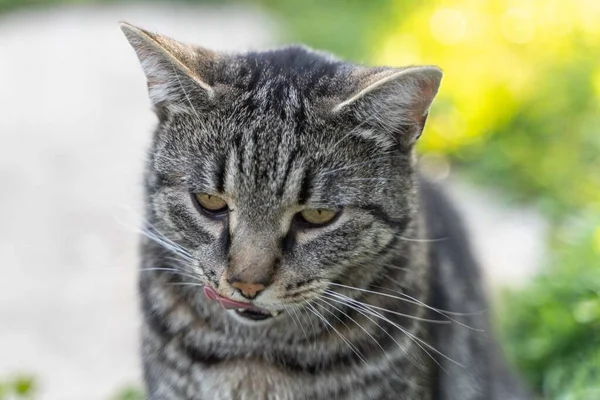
(225, 302)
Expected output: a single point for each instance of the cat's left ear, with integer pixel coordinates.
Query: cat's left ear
(394, 101)
(177, 74)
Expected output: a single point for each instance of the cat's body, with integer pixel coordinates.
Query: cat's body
(360, 297)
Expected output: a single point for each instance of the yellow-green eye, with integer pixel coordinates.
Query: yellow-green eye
(318, 216)
(211, 203)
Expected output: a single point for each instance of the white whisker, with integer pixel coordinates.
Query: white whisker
(306, 317)
(347, 167)
(324, 320)
(370, 179)
(353, 320)
(359, 310)
(433, 321)
(174, 249)
(187, 284)
(418, 341)
(412, 300)
(175, 271)
(299, 323)
(184, 91)
(422, 240)
(404, 299)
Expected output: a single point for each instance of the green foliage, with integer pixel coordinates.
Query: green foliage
(348, 28)
(20, 387)
(25, 387)
(548, 152)
(553, 327)
(129, 393)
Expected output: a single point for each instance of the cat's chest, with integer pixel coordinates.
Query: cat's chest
(255, 380)
(174, 375)
(251, 379)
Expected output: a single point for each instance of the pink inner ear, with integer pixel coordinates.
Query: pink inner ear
(420, 108)
(420, 119)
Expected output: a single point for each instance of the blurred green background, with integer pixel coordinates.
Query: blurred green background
(519, 111)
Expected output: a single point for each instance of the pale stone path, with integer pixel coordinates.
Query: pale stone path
(74, 124)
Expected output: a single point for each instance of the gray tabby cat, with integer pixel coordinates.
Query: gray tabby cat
(287, 252)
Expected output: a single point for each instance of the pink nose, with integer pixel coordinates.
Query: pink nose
(248, 290)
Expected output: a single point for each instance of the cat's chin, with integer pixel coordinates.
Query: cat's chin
(251, 316)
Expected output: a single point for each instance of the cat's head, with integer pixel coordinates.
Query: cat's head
(279, 172)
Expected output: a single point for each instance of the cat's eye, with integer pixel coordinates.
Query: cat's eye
(211, 203)
(318, 216)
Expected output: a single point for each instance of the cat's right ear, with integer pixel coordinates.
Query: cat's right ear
(177, 73)
(394, 102)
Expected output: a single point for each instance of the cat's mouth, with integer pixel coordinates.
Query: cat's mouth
(255, 314)
(242, 309)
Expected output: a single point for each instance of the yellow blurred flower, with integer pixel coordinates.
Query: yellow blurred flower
(492, 53)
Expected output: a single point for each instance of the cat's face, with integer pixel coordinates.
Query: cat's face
(281, 172)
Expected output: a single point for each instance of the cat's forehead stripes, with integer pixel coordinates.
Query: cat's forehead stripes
(267, 169)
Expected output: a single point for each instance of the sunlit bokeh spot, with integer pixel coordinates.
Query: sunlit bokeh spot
(448, 26)
(517, 25)
(596, 82)
(404, 47)
(597, 240)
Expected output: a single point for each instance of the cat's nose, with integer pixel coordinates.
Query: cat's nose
(248, 290)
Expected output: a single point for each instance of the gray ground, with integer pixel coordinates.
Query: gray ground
(73, 127)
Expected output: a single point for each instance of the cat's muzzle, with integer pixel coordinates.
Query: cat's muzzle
(243, 309)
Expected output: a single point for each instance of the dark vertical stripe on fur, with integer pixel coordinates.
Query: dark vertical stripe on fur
(239, 149)
(306, 186)
(288, 169)
(220, 172)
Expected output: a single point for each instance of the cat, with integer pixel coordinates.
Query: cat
(291, 248)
